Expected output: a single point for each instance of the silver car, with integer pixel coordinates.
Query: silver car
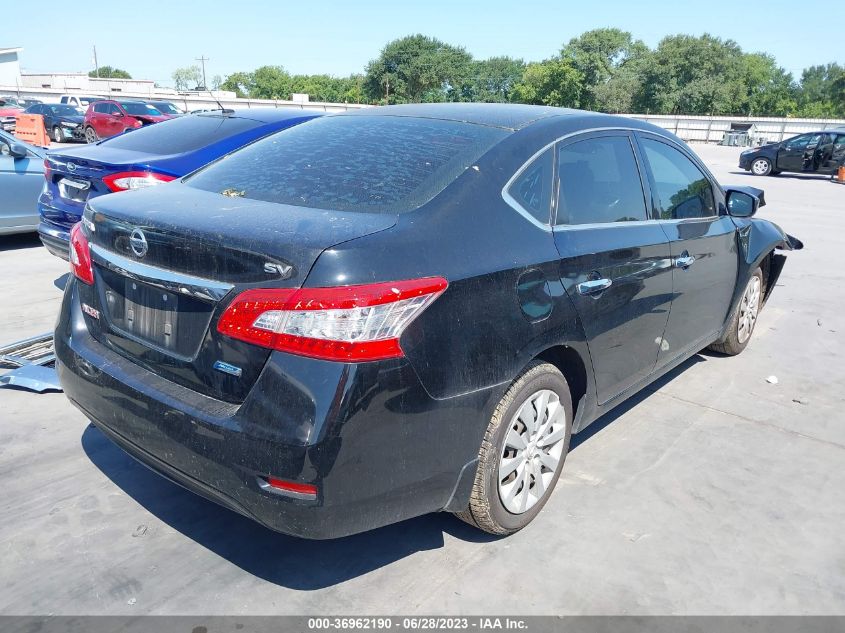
(21, 180)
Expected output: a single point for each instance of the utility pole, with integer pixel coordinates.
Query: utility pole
(96, 65)
(202, 59)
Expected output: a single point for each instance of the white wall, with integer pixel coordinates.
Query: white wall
(10, 69)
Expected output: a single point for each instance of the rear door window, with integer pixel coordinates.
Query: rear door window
(372, 163)
(532, 190)
(681, 190)
(599, 182)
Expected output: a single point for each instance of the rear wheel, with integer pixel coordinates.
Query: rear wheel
(90, 135)
(761, 167)
(744, 319)
(57, 134)
(523, 451)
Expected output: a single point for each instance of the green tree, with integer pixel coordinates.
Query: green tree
(492, 80)
(553, 82)
(417, 68)
(600, 55)
(109, 72)
(271, 82)
(239, 83)
(692, 75)
(187, 78)
(769, 89)
(822, 93)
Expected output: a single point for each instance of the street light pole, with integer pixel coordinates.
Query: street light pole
(202, 60)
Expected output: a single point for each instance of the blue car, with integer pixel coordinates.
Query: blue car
(21, 178)
(145, 157)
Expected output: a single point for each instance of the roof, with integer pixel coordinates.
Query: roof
(511, 116)
(13, 49)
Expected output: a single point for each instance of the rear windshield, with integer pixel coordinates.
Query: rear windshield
(185, 134)
(352, 163)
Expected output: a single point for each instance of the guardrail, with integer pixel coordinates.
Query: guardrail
(711, 129)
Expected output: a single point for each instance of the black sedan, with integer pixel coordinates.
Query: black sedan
(403, 310)
(821, 152)
(63, 122)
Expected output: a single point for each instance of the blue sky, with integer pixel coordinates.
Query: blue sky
(150, 39)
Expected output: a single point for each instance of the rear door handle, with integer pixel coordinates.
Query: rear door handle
(685, 261)
(593, 286)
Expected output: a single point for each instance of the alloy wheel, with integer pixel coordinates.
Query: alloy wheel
(57, 135)
(748, 310)
(760, 167)
(531, 451)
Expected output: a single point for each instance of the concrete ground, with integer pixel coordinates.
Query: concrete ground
(712, 492)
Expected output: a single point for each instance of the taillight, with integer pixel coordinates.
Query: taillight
(48, 171)
(126, 180)
(80, 255)
(345, 323)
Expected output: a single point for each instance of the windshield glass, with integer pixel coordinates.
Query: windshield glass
(167, 108)
(140, 108)
(185, 134)
(66, 110)
(352, 163)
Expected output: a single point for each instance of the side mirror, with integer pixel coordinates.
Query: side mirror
(742, 204)
(17, 150)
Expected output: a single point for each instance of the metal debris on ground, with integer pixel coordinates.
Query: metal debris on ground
(32, 362)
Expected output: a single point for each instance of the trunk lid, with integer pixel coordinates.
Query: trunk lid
(167, 261)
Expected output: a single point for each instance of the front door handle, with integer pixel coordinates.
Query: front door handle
(593, 286)
(684, 261)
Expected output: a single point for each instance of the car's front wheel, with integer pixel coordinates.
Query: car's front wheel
(761, 167)
(57, 134)
(90, 135)
(523, 451)
(744, 319)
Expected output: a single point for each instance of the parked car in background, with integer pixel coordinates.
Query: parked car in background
(146, 157)
(82, 101)
(21, 179)
(821, 152)
(13, 102)
(167, 107)
(404, 309)
(29, 102)
(7, 117)
(108, 118)
(63, 122)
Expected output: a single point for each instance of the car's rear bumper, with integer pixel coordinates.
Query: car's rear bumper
(55, 239)
(376, 445)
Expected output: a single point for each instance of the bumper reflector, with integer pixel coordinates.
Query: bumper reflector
(294, 489)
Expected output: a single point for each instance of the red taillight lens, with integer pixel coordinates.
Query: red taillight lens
(48, 171)
(346, 323)
(80, 255)
(126, 180)
(299, 489)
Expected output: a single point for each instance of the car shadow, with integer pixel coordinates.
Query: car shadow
(618, 411)
(289, 561)
(19, 241)
(282, 560)
(788, 175)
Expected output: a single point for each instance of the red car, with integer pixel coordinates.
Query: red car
(8, 113)
(107, 118)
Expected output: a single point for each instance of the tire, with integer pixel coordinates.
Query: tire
(505, 505)
(58, 137)
(90, 135)
(761, 167)
(744, 318)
